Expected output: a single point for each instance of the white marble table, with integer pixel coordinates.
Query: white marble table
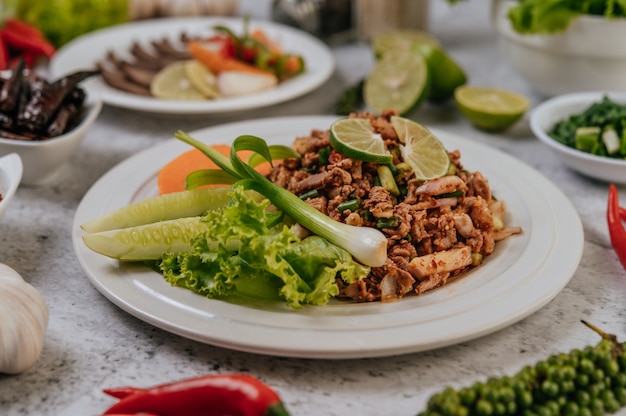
(91, 344)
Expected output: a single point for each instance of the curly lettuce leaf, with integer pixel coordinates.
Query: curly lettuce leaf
(241, 255)
(553, 16)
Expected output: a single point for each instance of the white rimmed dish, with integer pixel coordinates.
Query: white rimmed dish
(85, 51)
(589, 55)
(10, 177)
(44, 159)
(544, 117)
(518, 279)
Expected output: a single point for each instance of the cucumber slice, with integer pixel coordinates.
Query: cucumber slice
(161, 208)
(148, 241)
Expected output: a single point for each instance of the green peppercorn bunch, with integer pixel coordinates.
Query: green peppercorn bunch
(586, 382)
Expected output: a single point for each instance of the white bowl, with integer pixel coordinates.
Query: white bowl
(10, 176)
(546, 115)
(589, 56)
(43, 159)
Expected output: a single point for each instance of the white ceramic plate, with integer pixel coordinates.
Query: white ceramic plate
(10, 176)
(520, 277)
(85, 51)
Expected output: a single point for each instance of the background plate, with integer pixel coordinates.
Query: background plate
(522, 275)
(84, 51)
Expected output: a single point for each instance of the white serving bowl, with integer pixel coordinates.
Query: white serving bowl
(43, 159)
(10, 177)
(589, 56)
(546, 115)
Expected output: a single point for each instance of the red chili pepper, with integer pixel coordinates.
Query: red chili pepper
(20, 26)
(616, 228)
(226, 394)
(26, 43)
(4, 55)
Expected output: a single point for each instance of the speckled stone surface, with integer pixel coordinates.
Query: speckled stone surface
(92, 344)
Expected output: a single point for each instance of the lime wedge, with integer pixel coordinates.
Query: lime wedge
(402, 40)
(399, 81)
(171, 83)
(201, 78)
(423, 151)
(490, 108)
(357, 139)
(445, 73)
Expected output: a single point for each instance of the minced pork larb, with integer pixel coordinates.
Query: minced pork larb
(436, 229)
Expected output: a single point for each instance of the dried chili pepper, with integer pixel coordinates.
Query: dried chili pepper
(11, 89)
(616, 228)
(226, 394)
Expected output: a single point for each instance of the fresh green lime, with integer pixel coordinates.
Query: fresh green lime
(445, 73)
(171, 83)
(399, 81)
(423, 151)
(357, 139)
(402, 40)
(490, 108)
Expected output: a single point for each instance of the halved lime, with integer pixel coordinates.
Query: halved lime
(490, 108)
(403, 40)
(422, 150)
(399, 81)
(445, 73)
(171, 83)
(357, 139)
(201, 78)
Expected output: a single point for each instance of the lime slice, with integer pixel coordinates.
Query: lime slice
(402, 40)
(423, 151)
(356, 139)
(201, 78)
(490, 108)
(171, 83)
(445, 73)
(399, 81)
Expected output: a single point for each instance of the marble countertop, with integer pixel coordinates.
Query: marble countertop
(91, 344)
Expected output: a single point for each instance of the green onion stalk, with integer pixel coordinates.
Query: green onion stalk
(367, 245)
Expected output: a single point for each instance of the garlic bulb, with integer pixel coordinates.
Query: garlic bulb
(23, 323)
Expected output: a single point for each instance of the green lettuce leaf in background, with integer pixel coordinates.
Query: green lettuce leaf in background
(63, 20)
(553, 16)
(242, 256)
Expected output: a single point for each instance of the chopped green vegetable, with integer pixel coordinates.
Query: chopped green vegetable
(600, 129)
(587, 138)
(611, 140)
(387, 180)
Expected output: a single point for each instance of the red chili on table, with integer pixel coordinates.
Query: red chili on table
(217, 394)
(19, 39)
(617, 232)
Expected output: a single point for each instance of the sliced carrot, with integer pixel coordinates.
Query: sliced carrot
(260, 36)
(171, 178)
(218, 63)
